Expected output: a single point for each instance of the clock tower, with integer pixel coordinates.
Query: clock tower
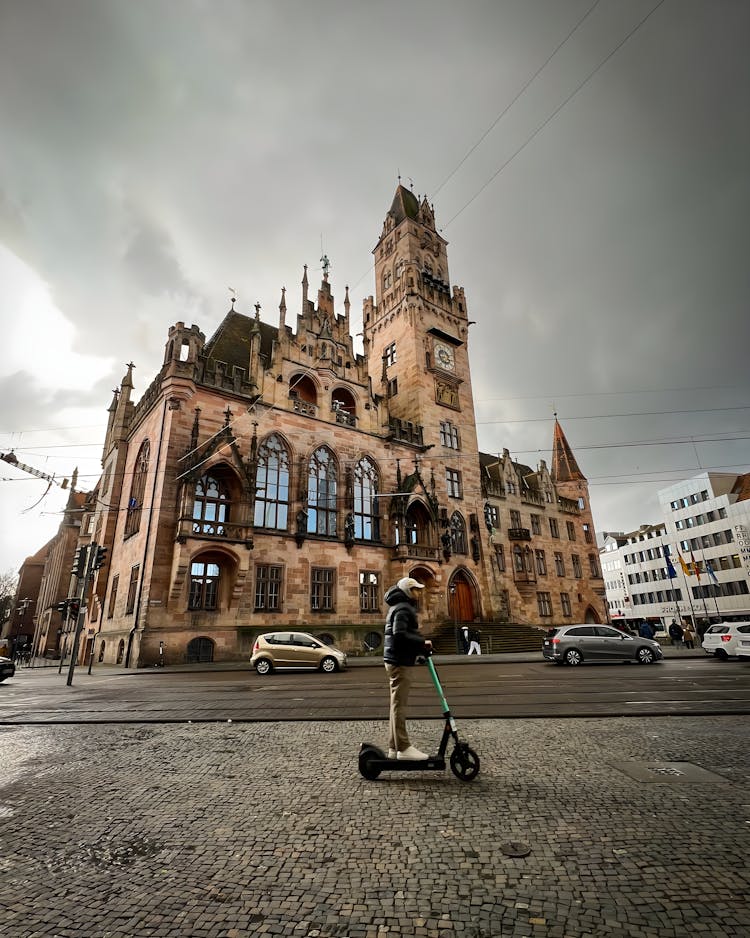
(416, 334)
(416, 344)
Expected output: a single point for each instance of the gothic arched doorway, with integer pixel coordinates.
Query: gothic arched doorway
(591, 616)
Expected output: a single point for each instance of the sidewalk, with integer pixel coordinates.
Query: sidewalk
(353, 661)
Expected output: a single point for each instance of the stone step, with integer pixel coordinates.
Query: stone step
(495, 638)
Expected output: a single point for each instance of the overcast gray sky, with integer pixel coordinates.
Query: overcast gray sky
(155, 153)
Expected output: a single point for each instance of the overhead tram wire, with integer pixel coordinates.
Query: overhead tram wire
(667, 441)
(517, 96)
(557, 110)
(590, 394)
(645, 413)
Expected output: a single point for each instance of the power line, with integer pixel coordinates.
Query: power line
(590, 394)
(645, 413)
(517, 96)
(554, 114)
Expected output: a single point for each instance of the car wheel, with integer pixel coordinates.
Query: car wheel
(263, 666)
(573, 657)
(645, 656)
(329, 665)
(722, 655)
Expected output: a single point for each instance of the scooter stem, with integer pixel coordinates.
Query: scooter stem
(436, 682)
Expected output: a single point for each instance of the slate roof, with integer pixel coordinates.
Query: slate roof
(231, 341)
(404, 205)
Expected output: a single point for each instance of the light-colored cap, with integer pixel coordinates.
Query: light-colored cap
(408, 584)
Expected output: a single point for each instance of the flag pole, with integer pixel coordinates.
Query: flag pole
(708, 567)
(687, 590)
(697, 572)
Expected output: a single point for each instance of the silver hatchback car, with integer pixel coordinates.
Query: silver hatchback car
(574, 644)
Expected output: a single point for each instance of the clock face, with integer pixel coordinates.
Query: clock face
(444, 356)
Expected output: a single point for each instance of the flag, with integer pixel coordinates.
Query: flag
(684, 566)
(710, 572)
(696, 568)
(671, 572)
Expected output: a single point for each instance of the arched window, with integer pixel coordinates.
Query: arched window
(387, 279)
(272, 485)
(417, 528)
(137, 489)
(366, 522)
(458, 533)
(518, 565)
(211, 506)
(204, 585)
(321, 493)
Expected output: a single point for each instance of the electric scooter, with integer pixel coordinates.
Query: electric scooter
(463, 760)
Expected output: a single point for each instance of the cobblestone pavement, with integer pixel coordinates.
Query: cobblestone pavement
(227, 830)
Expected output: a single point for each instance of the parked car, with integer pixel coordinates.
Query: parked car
(7, 668)
(573, 644)
(278, 650)
(727, 640)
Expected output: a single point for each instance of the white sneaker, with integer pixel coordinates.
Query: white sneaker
(412, 753)
(391, 754)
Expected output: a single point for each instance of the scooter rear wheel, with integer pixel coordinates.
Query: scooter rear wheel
(367, 767)
(464, 763)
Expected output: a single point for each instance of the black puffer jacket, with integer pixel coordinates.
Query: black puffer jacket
(403, 642)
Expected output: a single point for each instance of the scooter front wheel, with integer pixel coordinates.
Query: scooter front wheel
(464, 763)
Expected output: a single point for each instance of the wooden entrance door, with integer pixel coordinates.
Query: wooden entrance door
(464, 600)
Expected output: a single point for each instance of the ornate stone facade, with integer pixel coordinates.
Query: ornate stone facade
(273, 478)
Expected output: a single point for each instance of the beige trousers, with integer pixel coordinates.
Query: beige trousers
(400, 680)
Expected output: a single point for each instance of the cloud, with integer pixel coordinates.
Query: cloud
(158, 153)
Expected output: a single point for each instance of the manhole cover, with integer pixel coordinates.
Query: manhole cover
(668, 772)
(515, 849)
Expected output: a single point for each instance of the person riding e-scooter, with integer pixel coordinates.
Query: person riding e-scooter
(402, 646)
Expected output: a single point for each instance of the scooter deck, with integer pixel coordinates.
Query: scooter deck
(434, 763)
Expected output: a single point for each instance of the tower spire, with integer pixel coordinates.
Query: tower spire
(564, 465)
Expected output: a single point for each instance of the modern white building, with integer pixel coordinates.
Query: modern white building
(705, 529)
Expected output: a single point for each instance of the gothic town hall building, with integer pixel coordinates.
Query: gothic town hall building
(272, 478)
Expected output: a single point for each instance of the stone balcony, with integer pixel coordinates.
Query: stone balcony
(416, 552)
(226, 531)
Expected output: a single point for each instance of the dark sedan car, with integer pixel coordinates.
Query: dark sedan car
(7, 668)
(574, 644)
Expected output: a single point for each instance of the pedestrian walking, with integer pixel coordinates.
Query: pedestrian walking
(402, 645)
(645, 629)
(474, 647)
(675, 632)
(688, 636)
(465, 639)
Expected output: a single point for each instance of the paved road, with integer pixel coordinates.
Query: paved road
(631, 826)
(682, 684)
(635, 828)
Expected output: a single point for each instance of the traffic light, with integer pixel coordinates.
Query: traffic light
(74, 607)
(79, 562)
(62, 607)
(100, 558)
